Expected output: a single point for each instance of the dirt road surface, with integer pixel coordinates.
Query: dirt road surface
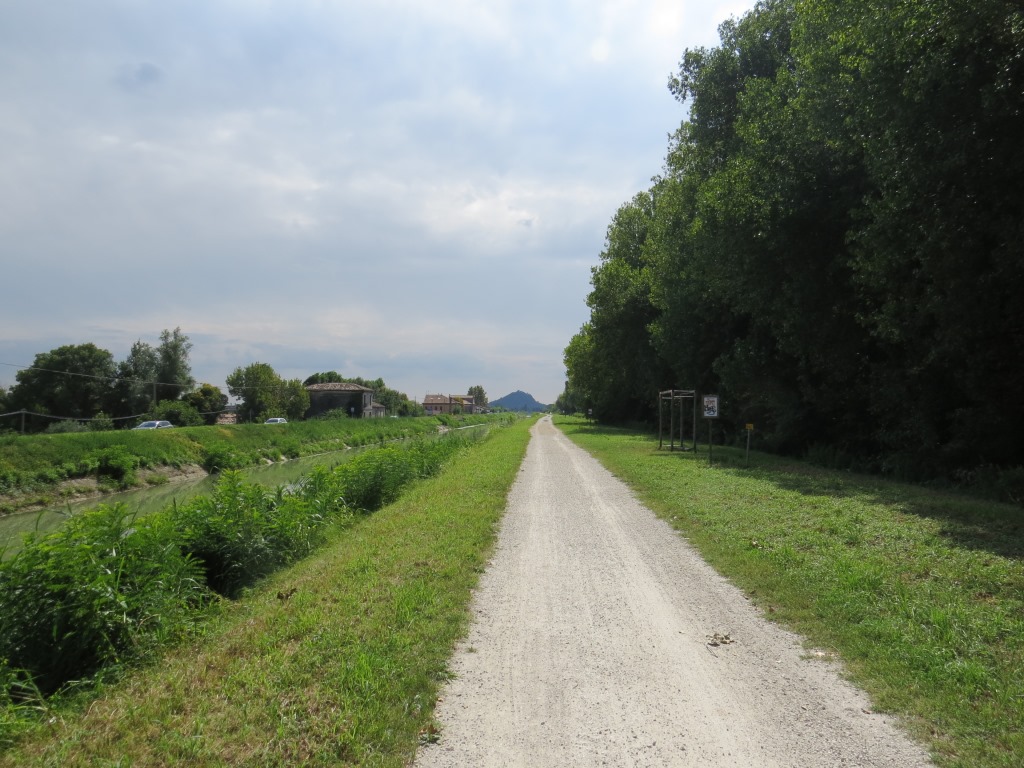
(593, 643)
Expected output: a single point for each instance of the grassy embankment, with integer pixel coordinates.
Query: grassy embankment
(34, 468)
(920, 593)
(337, 659)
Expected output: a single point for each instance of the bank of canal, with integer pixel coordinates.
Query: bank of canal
(143, 501)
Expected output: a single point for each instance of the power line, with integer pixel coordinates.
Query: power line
(280, 387)
(93, 376)
(76, 418)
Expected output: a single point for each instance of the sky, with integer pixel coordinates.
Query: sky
(407, 190)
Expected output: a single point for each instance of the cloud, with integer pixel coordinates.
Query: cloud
(336, 185)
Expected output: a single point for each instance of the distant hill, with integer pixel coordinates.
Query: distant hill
(518, 401)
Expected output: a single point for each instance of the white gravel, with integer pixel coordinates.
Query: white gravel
(591, 645)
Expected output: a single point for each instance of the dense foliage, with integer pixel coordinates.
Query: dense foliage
(834, 246)
(264, 394)
(81, 382)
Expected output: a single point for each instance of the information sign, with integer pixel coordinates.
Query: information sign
(710, 406)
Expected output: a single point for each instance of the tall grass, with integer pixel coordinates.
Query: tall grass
(108, 588)
(32, 465)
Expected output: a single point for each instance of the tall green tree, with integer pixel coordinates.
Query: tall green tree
(72, 381)
(933, 97)
(208, 402)
(259, 389)
(835, 244)
(174, 372)
(294, 399)
(479, 396)
(133, 391)
(623, 372)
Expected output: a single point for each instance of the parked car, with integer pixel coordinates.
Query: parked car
(154, 425)
(276, 420)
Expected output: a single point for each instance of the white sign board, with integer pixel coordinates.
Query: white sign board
(710, 406)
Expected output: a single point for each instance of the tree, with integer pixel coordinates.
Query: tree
(70, 381)
(133, 390)
(294, 400)
(174, 372)
(931, 98)
(326, 377)
(613, 364)
(479, 396)
(259, 389)
(835, 246)
(208, 401)
(178, 412)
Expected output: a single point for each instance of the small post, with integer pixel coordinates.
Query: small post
(750, 429)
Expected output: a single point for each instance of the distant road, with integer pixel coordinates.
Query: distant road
(601, 638)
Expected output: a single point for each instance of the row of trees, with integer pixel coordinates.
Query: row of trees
(835, 243)
(262, 393)
(83, 382)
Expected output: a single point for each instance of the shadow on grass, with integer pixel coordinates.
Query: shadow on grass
(968, 522)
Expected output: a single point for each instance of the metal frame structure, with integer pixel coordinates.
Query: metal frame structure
(672, 396)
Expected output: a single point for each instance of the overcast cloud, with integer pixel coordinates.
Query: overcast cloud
(408, 190)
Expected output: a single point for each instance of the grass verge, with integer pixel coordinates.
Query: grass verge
(34, 467)
(336, 660)
(920, 593)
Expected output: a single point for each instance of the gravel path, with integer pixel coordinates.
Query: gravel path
(592, 644)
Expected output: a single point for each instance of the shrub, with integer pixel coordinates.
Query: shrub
(102, 589)
(118, 464)
(65, 426)
(100, 423)
(179, 413)
(221, 457)
(242, 532)
(335, 414)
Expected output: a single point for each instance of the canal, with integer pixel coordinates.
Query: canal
(154, 498)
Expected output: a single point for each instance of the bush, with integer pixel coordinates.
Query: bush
(65, 426)
(242, 532)
(100, 423)
(335, 414)
(102, 589)
(221, 457)
(179, 413)
(116, 463)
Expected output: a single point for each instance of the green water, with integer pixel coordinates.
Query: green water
(151, 499)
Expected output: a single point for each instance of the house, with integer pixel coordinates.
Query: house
(354, 399)
(436, 405)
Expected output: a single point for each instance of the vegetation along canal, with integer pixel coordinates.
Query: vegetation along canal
(150, 499)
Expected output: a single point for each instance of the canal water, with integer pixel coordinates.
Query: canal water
(153, 498)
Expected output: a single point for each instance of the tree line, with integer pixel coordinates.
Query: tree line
(83, 382)
(81, 386)
(834, 244)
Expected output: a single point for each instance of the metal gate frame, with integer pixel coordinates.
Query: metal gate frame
(672, 396)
